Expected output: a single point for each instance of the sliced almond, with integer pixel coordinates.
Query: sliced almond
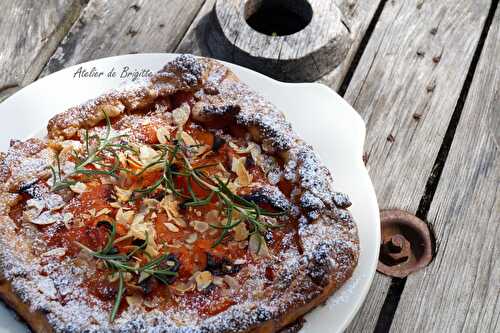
(191, 238)
(124, 217)
(47, 218)
(212, 217)
(179, 222)
(240, 232)
(147, 154)
(239, 261)
(163, 134)
(200, 226)
(188, 139)
(134, 300)
(203, 280)
(182, 287)
(123, 195)
(238, 167)
(103, 211)
(231, 282)
(170, 205)
(257, 246)
(57, 252)
(171, 227)
(218, 281)
(115, 205)
(180, 116)
(79, 187)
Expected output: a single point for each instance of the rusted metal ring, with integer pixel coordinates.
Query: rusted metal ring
(406, 243)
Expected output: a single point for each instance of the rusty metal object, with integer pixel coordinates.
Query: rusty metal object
(406, 243)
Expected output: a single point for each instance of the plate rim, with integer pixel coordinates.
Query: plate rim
(356, 117)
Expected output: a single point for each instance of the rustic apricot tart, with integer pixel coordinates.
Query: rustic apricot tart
(185, 204)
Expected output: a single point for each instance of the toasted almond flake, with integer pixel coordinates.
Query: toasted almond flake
(31, 214)
(150, 203)
(124, 217)
(192, 238)
(231, 282)
(147, 155)
(240, 232)
(180, 115)
(212, 217)
(203, 280)
(170, 205)
(113, 277)
(256, 152)
(171, 227)
(163, 134)
(152, 304)
(218, 281)
(79, 187)
(238, 167)
(54, 202)
(133, 300)
(123, 195)
(57, 252)
(233, 186)
(47, 218)
(239, 261)
(115, 205)
(188, 139)
(179, 222)
(39, 204)
(182, 287)
(257, 246)
(103, 211)
(199, 226)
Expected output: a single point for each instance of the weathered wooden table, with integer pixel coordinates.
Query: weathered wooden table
(424, 75)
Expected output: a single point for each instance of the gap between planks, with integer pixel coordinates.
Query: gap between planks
(396, 289)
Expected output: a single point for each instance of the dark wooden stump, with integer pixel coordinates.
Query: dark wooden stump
(290, 40)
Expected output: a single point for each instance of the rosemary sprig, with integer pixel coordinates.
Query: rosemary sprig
(92, 155)
(230, 202)
(119, 263)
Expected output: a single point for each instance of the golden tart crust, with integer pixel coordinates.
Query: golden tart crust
(310, 257)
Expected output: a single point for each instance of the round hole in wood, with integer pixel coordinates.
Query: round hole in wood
(278, 17)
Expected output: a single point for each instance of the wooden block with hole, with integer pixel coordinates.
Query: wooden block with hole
(290, 40)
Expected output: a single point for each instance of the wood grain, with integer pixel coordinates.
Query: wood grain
(202, 35)
(358, 15)
(460, 291)
(297, 57)
(406, 87)
(115, 27)
(31, 31)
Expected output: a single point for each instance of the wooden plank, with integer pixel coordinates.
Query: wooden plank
(108, 28)
(31, 31)
(460, 291)
(406, 86)
(358, 15)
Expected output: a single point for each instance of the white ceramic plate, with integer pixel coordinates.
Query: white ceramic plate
(316, 112)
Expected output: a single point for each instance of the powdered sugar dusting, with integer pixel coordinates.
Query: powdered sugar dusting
(326, 252)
